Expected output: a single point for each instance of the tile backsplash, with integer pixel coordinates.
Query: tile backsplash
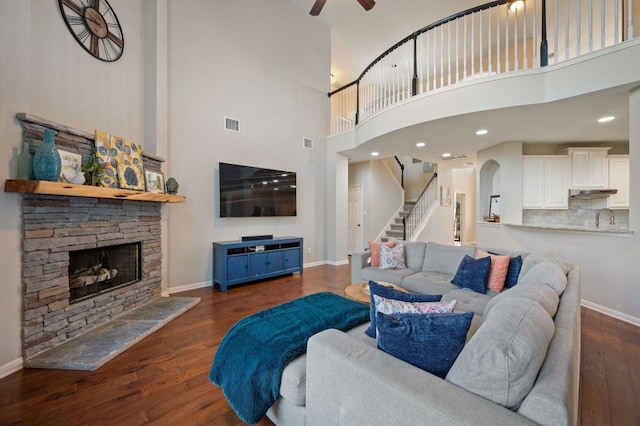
(580, 214)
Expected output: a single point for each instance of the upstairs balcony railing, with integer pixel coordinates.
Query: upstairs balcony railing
(494, 38)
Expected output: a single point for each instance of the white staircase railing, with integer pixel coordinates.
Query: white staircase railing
(424, 204)
(486, 40)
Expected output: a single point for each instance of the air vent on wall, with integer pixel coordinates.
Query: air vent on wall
(231, 124)
(307, 143)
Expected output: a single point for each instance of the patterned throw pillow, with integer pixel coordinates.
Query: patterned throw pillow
(392, 258)
(392, 306)
(374, 249)
(376, 289)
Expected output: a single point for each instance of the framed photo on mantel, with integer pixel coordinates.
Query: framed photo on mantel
(154, 181)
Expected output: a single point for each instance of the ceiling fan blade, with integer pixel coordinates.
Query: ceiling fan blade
(317, 7)
(367, 4)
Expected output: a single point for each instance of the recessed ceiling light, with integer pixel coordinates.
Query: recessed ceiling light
(375, 153)
(606, 119)
(420, 144)
(446, 154)
(482, 132)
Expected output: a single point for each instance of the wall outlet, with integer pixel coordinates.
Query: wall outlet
(309, 250)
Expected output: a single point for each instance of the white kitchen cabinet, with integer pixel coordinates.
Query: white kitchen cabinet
(589, 167)
(545, 182)
(619, 179)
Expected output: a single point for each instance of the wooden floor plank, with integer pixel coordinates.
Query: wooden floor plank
(164, 379)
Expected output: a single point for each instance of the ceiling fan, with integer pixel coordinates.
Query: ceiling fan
(319, 4)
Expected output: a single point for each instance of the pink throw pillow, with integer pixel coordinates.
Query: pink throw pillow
(499, 268)
(374, 249)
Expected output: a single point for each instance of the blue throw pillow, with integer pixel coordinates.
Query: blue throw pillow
(431, 342)
(473, 273)
(390, 293)
(515, 263)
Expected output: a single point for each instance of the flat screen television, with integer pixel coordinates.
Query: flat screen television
(247, 191)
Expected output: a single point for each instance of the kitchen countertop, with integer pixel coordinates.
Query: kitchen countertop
(573, 228)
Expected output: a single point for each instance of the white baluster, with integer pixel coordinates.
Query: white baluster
(590, 26)
(464, 75)
(498, 49)
(630, 19)
(506, 36)
(489, 41)
(602, 24)
(473, 46)
(555, 32)
(579, 30)
(516, 60)
(525, 64)
(481, 44)
(441, 56)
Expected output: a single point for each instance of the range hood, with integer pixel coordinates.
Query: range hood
(589, 194)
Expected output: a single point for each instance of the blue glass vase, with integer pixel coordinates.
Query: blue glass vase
(46, 162)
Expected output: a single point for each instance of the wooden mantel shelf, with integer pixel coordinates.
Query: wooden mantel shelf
(71, 190)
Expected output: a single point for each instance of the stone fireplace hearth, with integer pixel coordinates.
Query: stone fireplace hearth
(57, 226)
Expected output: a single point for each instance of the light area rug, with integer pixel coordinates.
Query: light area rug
(93, 349)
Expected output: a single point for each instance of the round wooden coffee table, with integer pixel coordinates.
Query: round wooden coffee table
(360, 291)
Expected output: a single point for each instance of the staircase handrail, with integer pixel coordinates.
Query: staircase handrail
(417, 206)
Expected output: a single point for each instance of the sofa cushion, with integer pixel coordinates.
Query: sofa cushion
(502, 359)
(468, 300)
(429, 283)
(534, 290)
(374, 249)
(473, 273)
(376, 289)
(547, 273)
(392, 257)
(393, 276)
(444, 258)
(431, 342)
(544, 256)
(294, 376)
(413, 253)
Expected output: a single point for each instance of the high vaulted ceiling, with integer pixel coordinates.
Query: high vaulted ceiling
(358, 37)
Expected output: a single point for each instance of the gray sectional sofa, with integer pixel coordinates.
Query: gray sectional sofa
(519, 366)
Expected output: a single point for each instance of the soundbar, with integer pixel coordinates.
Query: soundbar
(257, 237)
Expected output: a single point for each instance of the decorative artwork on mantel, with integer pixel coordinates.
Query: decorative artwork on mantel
(130, 172)
(125, 162)
(106, 153)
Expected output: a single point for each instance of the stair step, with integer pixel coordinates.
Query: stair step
(397, 234)
(396, 227)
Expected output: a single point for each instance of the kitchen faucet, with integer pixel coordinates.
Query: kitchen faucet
(612, 217)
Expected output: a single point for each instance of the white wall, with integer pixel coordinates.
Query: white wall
(266, 64)
(43, 71)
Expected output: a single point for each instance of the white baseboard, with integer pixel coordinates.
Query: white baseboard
(187, 287)
(11, 367)
(338, 263)
(610, 312)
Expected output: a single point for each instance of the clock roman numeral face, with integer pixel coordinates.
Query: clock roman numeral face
(95, 27)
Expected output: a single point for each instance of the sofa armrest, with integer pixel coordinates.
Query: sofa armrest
(352, 383)
(359, 261)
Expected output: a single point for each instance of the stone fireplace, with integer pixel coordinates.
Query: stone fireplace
(85, 260)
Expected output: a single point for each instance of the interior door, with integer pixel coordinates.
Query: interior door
(355, 219)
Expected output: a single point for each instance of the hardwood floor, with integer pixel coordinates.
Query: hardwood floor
(164, 378)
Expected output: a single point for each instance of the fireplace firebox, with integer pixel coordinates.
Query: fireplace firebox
(96, 270)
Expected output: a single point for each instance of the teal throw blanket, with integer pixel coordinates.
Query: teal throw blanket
(252, 355)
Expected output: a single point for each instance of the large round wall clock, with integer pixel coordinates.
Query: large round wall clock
(95, 27)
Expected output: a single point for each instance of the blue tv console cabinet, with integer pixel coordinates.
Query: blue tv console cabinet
(237, 262)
